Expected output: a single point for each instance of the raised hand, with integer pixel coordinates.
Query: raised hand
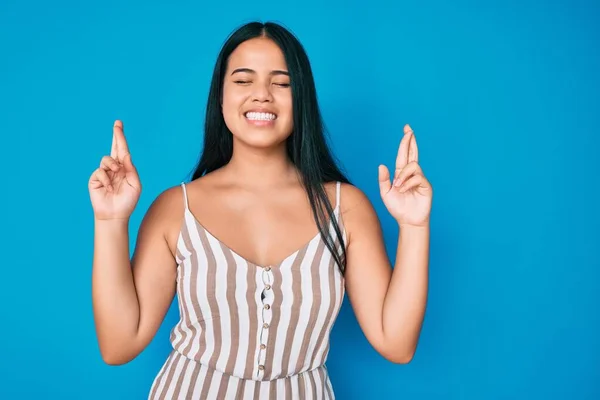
(409, 195)
(115, 186)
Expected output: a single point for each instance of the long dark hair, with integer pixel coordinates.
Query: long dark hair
(306, 146)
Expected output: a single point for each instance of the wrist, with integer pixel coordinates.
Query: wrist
(111, 223)
(413, 236)
(424, 227)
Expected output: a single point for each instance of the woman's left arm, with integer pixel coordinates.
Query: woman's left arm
(390, 304)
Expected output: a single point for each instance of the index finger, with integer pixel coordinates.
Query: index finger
(413, 150)
(113, 145)
(402, 157)
(119, 141)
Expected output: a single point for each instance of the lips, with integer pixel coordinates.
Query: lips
(260, 116)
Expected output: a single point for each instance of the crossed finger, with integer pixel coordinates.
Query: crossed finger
(407, 151)
(413, 151)
(119, 149)
(411, 169)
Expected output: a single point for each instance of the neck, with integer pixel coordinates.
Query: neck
(261, 168)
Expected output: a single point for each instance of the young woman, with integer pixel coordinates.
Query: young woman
(263, 243)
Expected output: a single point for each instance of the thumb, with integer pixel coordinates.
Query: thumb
(384, 180)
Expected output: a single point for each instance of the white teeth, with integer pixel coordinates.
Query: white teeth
(260, 116)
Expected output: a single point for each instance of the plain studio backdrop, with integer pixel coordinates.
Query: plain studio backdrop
(504, 101)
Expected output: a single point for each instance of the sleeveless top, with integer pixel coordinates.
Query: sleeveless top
(249, 331)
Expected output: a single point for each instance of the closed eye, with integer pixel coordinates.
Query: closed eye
(241, 82)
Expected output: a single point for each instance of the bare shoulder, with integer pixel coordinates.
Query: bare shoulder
(356, 210)
(348, 193)
(353, 199)
(165, 215)
(169, 203)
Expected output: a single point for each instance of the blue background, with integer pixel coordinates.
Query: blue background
(504, 100)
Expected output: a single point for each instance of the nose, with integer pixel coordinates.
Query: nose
(261, 92)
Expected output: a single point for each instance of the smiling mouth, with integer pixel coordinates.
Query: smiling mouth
(255, 116)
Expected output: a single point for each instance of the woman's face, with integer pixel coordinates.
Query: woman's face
(257, 98)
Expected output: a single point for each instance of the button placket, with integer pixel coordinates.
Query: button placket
(266, 312)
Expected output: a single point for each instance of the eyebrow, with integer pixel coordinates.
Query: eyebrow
(251, 71)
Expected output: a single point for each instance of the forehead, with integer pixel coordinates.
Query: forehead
(259, 54)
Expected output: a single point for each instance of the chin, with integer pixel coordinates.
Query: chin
(262, 140)
(261, 135)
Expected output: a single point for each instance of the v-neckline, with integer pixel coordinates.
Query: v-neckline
(246, 260)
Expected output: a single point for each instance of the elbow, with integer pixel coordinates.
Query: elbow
(114, 361)
(398, 351)
(114, 357)
(399, 357)
(118, 350)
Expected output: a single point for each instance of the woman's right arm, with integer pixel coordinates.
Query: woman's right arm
(130, 299)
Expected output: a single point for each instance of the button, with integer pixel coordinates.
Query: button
(267, 269)
(267, 306)
(263, 346)
(265, 325)
(267, 287)
(261, 367)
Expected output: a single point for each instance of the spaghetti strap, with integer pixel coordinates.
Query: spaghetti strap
(185, 199)
(337, 196)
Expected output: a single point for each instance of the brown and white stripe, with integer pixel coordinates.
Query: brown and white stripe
(248, 331)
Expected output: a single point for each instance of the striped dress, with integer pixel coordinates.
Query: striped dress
(248, 331)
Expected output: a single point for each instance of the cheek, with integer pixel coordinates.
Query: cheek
(285, 107)
(228, 106)
(289, 120)
(231, 105)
